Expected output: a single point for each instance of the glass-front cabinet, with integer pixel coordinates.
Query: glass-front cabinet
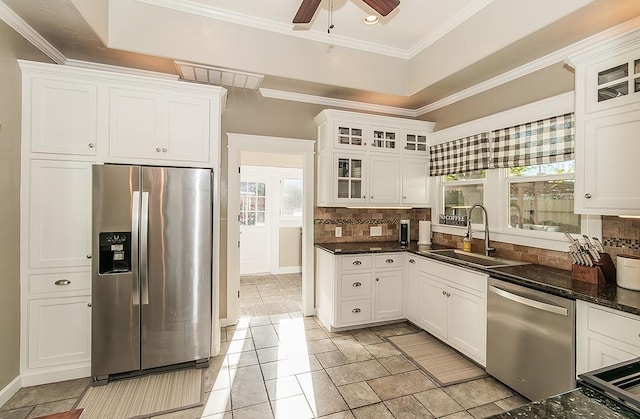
(385, 139)
(415, 143)
(350, 185)
(614, 82)
(350, 135)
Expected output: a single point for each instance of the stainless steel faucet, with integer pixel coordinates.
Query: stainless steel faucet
(488, 251)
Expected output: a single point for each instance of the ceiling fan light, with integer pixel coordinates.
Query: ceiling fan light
(371, 20)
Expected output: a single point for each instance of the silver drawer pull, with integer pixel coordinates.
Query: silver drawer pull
(357, 262)
(389, 260)
(412, 261)
(356, 310)
(357, 284)
(444, 293)
(62, 282)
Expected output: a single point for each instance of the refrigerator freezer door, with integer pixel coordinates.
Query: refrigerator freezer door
(176, 317)
(115, 336)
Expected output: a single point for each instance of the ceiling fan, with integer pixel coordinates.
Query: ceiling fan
(308, 8)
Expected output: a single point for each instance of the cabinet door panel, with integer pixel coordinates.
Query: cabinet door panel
(59, 214)
(63, 117)
(59, 331)
(388, 295)
(349, 179)
(611, 152)
(602, 354)
(135, 124)
(433, 307)
(415, 181)
(188, 129)
(384, 180)
(467, 323)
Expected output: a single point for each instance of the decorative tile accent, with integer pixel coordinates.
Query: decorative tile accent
(621, 236)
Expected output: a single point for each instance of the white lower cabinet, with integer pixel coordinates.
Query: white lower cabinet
(450, 303)
(59, 331)
(354, 290)
(604, 336)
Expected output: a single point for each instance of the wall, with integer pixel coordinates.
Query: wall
(12, 46)
(290, 247)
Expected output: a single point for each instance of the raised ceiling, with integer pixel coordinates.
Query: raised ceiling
(423, 52)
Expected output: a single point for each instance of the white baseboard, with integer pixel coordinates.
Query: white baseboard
(9, 390)
(289, 269)
(53, 375)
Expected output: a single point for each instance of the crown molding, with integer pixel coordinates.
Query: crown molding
(533, 66)
(122, 70)
(339, 103)
(449, 25)
(27, 32)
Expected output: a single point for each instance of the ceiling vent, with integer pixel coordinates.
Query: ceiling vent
(219, 76)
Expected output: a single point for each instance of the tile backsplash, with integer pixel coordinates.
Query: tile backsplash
(355, 223)
(621, 236)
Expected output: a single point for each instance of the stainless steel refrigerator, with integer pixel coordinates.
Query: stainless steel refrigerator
(152, 268)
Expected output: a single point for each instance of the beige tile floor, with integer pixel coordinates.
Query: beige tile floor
(262, 295)
(288, 366)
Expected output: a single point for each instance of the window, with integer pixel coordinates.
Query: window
(461, 191)
(541, 197)
(291, 197)
(252, 203)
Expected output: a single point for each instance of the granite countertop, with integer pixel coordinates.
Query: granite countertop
(579, 403)
(552, 280)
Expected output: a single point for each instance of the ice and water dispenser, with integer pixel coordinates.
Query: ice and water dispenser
(115, 252)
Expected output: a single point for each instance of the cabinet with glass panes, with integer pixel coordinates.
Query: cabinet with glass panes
(613, 82)
(385, 139)
(349, 179)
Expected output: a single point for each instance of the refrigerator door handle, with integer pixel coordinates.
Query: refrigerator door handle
(135, 225)
(144, 252)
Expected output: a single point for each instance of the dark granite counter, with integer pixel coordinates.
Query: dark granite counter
(543, 278)
(579, 403)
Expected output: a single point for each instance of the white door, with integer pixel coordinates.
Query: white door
(255, 237)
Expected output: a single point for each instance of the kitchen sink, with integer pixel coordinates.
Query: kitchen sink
(474, 259)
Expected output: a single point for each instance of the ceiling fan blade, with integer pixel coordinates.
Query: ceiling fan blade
(384, 7)
(306, 11)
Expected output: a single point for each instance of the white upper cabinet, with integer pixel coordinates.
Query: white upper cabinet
(152, 125)
(62, 116)
(361, 160)
(607, 126)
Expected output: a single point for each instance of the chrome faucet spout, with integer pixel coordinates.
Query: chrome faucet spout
(488, 250)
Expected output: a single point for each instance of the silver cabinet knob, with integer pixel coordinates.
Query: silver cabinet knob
(157, 149)
(357, 262)
(444, 293)
(89, 256)
(389, 261)
(357, 284)
(89, 305)
(404, 197)
(164, 150)
(62, 282)
(377, 279)
(412, 261)
(356, 310)
(91, 145)
(448, 295)
(587, 195)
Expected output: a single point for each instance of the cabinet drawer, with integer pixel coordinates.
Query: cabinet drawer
(472, 280)
(617, 326)
(355, 311)
(389, 260)
(356, 284)
(356, 262)
(59, 282)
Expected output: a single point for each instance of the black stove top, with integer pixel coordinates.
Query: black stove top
(620, 382)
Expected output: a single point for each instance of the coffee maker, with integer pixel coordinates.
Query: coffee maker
(404, 233)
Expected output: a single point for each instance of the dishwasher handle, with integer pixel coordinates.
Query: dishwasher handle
(529, 302)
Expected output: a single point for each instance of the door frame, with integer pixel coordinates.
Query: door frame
(278, 145)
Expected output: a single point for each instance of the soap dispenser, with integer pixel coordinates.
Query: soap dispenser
(466, 243)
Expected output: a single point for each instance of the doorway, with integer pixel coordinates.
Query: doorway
(239, 143)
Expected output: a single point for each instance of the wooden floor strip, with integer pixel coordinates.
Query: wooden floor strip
(443, 363)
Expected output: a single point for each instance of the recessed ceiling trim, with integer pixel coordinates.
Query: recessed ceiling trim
(533, 66)
(27, 32)
(188, 6)
(449, 25)
(339, 103)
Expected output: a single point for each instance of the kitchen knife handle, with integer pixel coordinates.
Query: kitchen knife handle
(144, 253)
(135, 225)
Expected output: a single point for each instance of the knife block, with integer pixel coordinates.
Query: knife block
(603, 272)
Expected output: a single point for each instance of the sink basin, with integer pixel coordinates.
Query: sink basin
(474, 259)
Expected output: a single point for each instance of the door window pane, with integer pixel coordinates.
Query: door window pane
(292, 197)
(252, 203)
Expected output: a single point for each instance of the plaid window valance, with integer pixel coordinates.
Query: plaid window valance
(549, 140)
(462, 155)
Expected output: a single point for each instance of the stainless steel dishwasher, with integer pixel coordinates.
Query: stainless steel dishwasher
(530, 340)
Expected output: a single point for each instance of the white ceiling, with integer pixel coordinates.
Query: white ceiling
(424, 52)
